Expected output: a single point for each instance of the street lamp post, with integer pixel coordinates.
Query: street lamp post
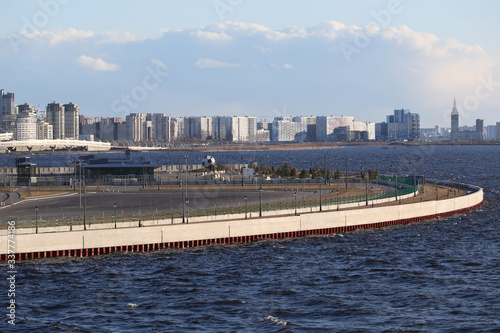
(81, 184)
(114, 205)
(260, 198)
(437, 189)
(346, 170)
(320, 199)
(414, 181)
(245, 207)
(363, 177)
(295, 205)
(242, 179)
(338, 200)
(187, 178)
(84, 203)
(159, 175)
(396, 181)
(36, 219)
(187, 210)
(74, 179)
(366, 182)
(371, 191)
(330, 170)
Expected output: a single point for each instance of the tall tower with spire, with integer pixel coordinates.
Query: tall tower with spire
(454, 122)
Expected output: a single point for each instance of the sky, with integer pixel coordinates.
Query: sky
(257, 58)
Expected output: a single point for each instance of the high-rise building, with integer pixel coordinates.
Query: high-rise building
(219, 128)
(242, 129)
(1, 105)
(403, 125)
(8, 103)
(26, 125)
(159, 127)
(468, 135)
(172, 128)
(205, 127)
(498, 131)
(158, 130)
(326, 125)
(71, 121)
(190, 131)
(25, 108)
(104, 129)
(324, 128)
(455, 131)
(44, 131)
(480, 129)
(136, 126)
(381, 132)
(55, 117)
(289, 129)
(491, 132)
(8, 111)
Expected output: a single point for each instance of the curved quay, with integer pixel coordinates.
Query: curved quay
(200, 231)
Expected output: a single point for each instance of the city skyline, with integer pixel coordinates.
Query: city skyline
(330, 63)
(65, 122)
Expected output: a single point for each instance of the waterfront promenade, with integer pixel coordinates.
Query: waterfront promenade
(291, 220)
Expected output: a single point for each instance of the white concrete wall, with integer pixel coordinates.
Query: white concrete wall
(197, 230)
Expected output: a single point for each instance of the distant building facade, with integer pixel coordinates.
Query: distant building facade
(343, 129)
(26, 123)
(44, 131)
(477, 134)
(55, 117)
(403, 125)
(71, 121)
(8, 112)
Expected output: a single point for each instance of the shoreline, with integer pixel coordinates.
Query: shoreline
(237, 227)
(264, 147)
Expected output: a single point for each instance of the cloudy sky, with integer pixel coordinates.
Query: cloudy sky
(254, 57)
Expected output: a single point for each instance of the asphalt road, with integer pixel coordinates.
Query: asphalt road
(137, 202)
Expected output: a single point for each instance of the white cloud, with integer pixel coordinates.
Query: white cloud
(212, 63)
(117, 37)
(96, 64)
(428, 44)
(53, 37)
(330, 29)
(212, 36)
(56, 36)
(394, 67)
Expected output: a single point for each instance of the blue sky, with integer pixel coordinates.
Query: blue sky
(262, 58)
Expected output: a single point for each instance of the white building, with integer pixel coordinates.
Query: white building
(135, 123)
(180, 128)
(326, 125)
(204, 127)
(243, 129)
(286, 129)
(26, 125)
(44, 131)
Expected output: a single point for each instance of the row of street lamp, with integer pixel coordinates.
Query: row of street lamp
(185, 199)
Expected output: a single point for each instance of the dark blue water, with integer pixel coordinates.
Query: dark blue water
(437, 276)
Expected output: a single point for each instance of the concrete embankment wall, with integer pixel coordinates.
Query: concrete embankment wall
(153, 237)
